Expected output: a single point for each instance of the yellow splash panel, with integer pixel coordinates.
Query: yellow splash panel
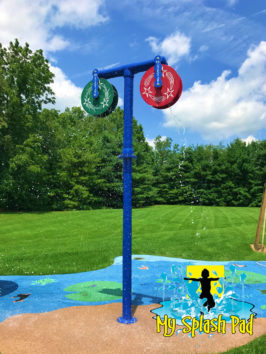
(194, 271)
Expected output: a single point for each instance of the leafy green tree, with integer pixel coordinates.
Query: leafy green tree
(144, 192)
(162, 169)
(201, 172)
(25, 80)
(239, 172)
(257, 173)
(107, 136)
(28, 176)
(33, 171)
(77, 167)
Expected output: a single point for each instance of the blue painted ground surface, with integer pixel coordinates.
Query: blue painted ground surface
(47, 292)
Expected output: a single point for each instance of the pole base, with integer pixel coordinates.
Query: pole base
(258, 248)
(126, 321)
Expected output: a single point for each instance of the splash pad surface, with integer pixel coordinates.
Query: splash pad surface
(153, 280)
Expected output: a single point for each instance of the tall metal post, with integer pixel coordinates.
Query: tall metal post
(128, 72)
(257, 245)
(127, 156)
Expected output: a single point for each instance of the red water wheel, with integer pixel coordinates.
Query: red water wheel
(164, 96)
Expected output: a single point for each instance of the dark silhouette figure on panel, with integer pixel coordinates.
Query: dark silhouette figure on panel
(205, 288)
(21, 297)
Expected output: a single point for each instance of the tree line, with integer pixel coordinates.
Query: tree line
(59, 161)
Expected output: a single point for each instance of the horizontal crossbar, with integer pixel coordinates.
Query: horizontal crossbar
(133, 68)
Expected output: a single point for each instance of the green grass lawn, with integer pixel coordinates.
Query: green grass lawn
(257, 346)
(77, 241)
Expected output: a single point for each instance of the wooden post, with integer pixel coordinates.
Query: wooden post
(263, 230)
(257, 245)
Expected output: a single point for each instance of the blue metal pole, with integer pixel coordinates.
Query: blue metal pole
(134, 68)
(127, 156)
(128, 72)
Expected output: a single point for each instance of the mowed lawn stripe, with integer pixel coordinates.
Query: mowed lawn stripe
(78, 241)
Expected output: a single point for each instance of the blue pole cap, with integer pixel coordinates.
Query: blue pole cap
(95, 84)
(158, 72)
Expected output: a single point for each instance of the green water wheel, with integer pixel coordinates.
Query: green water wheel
(106, 101)
(113, 105)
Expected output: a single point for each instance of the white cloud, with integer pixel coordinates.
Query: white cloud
(56, 43)
(66, 92)
(203, 48)
(120, 102)
(151, 142)
(79, 14)
(231, 2)
(259, 13)
(110, 66)
(226, 106)
(213, 27)
(249, 140)
(27, 26)
(174, 47)
(35, 21)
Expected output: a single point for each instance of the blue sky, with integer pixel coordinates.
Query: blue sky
(218, 47)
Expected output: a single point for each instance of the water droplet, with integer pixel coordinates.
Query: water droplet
(178, 331)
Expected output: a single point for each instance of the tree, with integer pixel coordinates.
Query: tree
(162, 169)
(25, 80)
(77, 167)
(107, 135)
(144, 192)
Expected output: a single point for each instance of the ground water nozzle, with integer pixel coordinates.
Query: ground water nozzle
(243, 276)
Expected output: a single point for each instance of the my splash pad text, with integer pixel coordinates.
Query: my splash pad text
(192, 324)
